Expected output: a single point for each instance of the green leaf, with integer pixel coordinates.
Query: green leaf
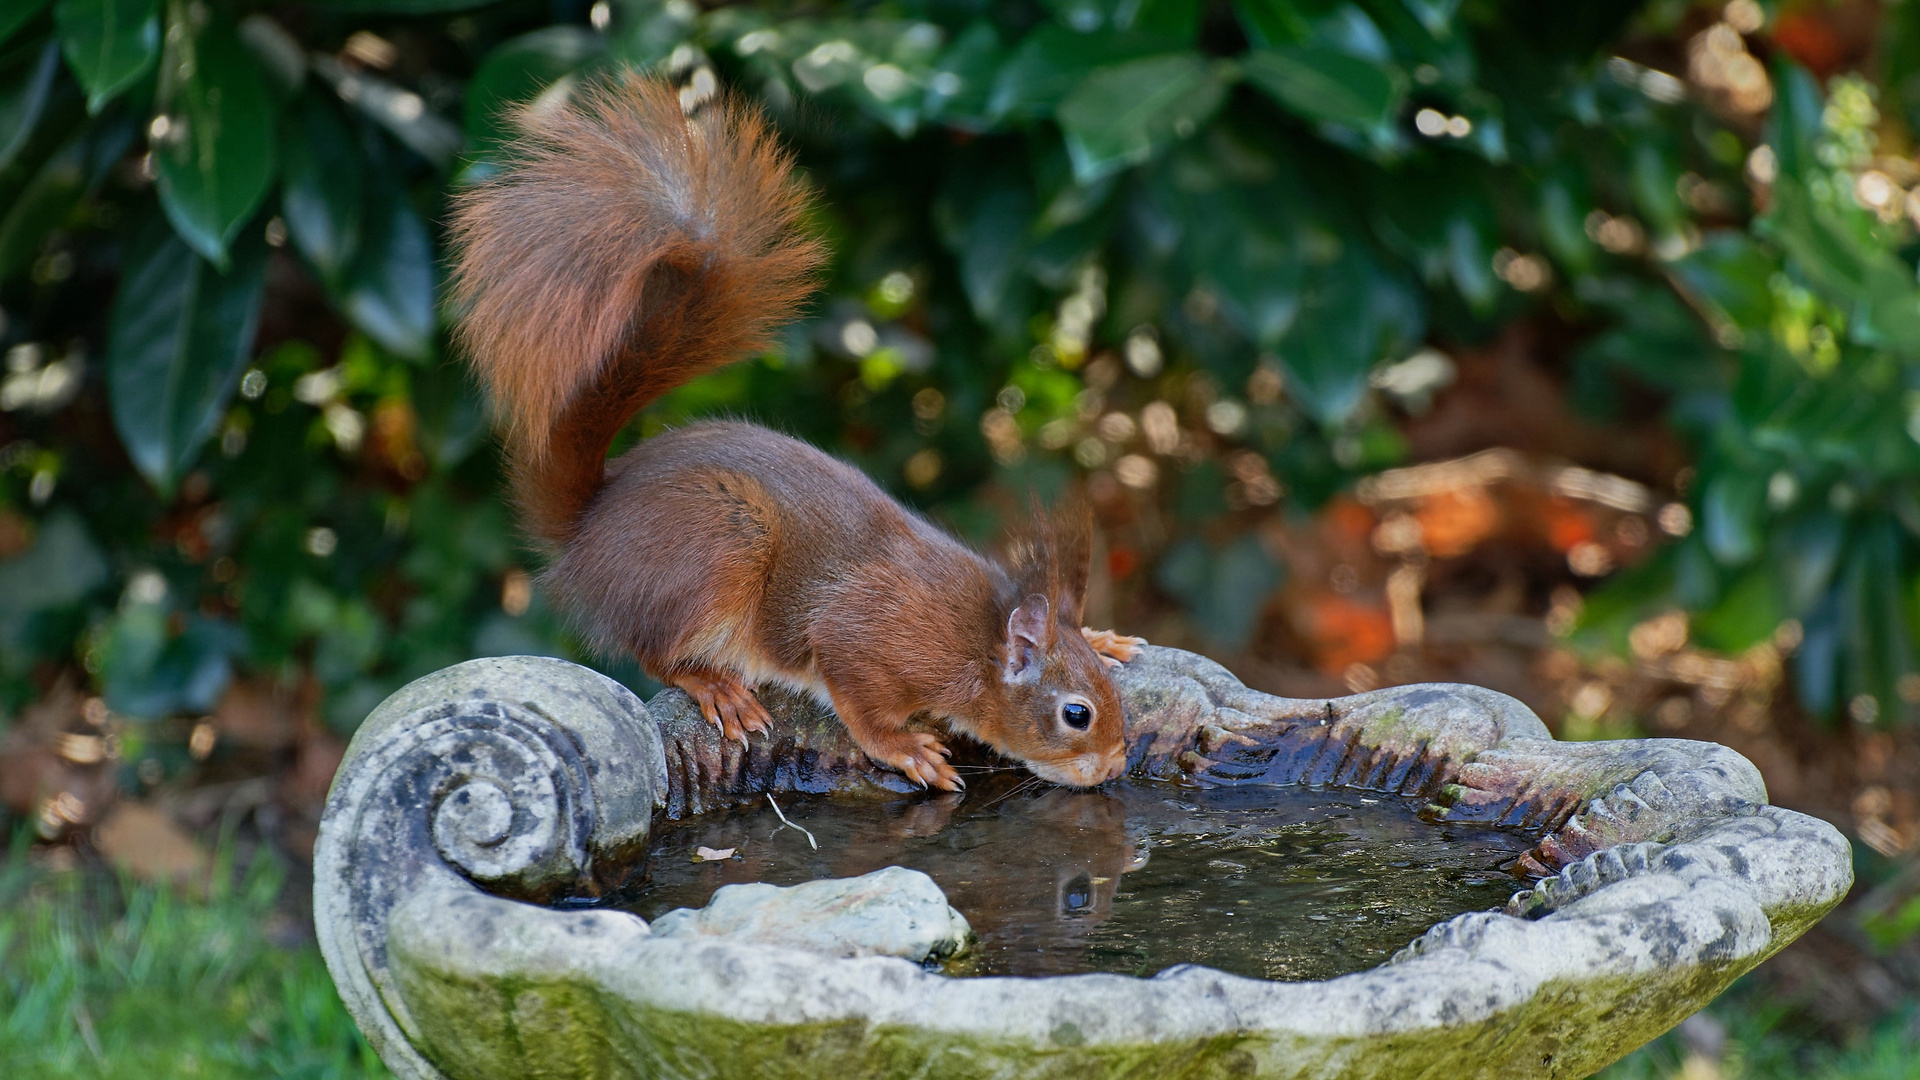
(1270, 23)
(1243, 241)
(18, 13)
(391, 287)
(26, 82)
(41, 207)
(321, 169)
(59, 570)
(1119, 116)
(215, 157)
(1806, 553)
(516, 71)
(1732, 274)
(1083, 16)
(110, 43)
(1870, 282)
(401, 7)
(1435, 15)
(146, 670)
(179, 333)
(989, 214)
(1793, 125)
(1745, 616)
(1223, 589)
(1355, 314)
(958, 89)
(1654, 181)
(1730, 516)
(1176, 19)
(1325, 86)
(1562, 224)
(1048, 63)
(644, 32)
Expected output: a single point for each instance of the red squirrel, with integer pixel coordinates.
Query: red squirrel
(625, 247)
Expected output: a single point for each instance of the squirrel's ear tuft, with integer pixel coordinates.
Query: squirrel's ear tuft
(1029, 635)
(1070, 550)
(1056, 557)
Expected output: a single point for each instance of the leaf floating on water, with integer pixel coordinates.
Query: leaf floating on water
(707, 854)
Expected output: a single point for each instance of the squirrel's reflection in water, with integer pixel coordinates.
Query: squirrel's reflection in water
(1034, 874)
(1033, 867)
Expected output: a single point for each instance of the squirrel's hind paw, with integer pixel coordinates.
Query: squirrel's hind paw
(1114, 649)
(726, 702)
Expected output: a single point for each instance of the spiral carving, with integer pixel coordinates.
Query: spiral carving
(525, 776)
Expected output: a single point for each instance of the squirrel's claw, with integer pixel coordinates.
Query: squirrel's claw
(726, 702)
(921, 758)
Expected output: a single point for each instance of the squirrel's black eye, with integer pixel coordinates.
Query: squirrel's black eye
(1076, 715)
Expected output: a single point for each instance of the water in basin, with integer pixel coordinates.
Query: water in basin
(1272, 882)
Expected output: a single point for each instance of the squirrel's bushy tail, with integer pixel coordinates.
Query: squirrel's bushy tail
(623, 249)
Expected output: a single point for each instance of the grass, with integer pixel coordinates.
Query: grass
(104, 978)
(101, 978)
(1768, 1041)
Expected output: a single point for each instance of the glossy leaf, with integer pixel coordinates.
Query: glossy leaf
(1435, 15)
(1747, 615)
(179, 333)
(215, 159)
(1324, 86)
(322, 173)
(392, 285)
(1562, 217)
(517, 71)
(1119, 116)
(41, 207)
(110, 43)
(26, 82)
(990, 211)
(18, 13)
(44, 205)
(1730, 517)
(62, 567)
(1806, 553)
(962, 81)
(1178, 20)
(1271, 23)
(1224, 589)
(644, 32)
(1049, 62)
(148, 671)
(401, 7)
(1793, 124)
(1355, 314)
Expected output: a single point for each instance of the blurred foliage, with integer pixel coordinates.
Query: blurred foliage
(1182, 251)
(111, 979)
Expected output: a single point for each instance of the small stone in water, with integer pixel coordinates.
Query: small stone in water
(707, 854)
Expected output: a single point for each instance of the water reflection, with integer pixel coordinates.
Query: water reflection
(1272, 882)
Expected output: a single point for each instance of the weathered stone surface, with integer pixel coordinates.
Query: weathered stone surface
(417, 806)
(890, 912)
(1663, 876)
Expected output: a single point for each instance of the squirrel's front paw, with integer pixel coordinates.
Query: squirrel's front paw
(920, 757)
(1114, 649)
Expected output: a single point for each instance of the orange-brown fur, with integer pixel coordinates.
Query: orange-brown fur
(627, 248)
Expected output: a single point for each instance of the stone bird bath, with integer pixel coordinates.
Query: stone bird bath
(481, 809)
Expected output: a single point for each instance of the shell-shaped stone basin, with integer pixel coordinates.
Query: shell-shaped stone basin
(482, 809)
